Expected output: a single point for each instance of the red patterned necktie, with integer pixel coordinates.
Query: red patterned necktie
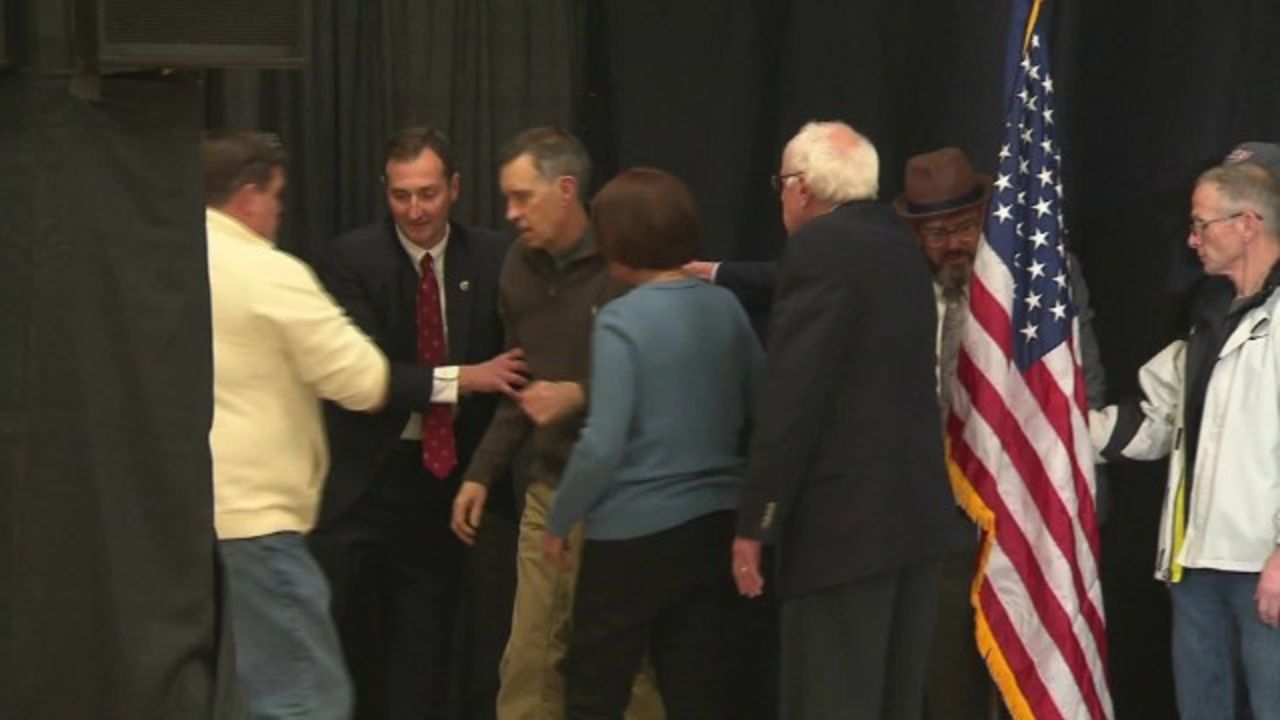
(439, 454)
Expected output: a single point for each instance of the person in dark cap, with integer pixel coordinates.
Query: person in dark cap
(1263, 154)
(1209, 404)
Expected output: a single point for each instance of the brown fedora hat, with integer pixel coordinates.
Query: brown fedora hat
(940, 182)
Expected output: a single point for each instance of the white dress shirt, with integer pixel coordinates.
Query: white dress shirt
(444, 388)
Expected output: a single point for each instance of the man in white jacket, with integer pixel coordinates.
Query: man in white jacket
(280, 344)
(1213, 405)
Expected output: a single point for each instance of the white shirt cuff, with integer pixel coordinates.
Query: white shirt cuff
(444, 388)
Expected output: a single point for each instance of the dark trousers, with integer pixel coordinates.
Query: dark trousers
(670, 592)
(396, 572)
(860, 651)
(488, 597)
(959, 686)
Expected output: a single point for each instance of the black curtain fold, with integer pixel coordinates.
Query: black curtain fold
(108, 592)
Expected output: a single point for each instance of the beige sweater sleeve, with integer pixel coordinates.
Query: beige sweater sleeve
(327, 350)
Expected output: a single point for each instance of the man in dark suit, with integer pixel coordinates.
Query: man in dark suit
(425, 289)
(846, 471)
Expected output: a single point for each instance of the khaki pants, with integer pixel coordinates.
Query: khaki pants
(532, 669)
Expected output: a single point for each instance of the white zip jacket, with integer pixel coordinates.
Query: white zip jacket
(1232, 521)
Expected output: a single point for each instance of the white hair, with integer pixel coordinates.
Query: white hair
(839, 164)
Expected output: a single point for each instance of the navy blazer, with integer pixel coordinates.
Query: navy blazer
(372, 277)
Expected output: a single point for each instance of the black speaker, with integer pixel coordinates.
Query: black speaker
(193, 33)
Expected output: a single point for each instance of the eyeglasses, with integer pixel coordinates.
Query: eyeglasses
(1197, 227)
(937, 234)
(778, 180)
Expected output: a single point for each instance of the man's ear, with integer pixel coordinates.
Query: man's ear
(802, 188)
(242, 198)
(567, 186)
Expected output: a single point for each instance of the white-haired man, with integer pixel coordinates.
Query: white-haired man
(846, 471)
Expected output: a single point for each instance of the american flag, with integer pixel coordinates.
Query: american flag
(1018, 441)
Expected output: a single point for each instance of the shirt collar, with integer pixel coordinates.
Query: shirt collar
(1269, 284)
(416, 251)
(229, 225)
(585, 247)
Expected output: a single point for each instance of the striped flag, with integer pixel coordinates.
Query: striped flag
(1018, 443)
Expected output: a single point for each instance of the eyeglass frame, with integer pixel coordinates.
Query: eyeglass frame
(779, 180)
(936, 237)
(1197, 227)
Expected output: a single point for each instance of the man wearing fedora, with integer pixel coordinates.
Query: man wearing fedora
(944, 203)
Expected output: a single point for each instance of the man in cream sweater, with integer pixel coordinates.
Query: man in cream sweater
(280, 345)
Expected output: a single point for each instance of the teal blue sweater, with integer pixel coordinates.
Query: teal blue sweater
(674, 370)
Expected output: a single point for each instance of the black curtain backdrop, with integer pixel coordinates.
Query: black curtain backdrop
(712, 91)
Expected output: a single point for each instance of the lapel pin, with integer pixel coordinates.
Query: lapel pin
(465, 285)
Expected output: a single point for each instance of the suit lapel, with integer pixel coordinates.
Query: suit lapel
(459, 289)
(404, 308)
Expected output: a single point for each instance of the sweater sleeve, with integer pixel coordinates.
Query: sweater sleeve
(328, 351)
(509, 426)
(593, 464)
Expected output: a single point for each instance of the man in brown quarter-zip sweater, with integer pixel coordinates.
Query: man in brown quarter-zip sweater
(552, 283)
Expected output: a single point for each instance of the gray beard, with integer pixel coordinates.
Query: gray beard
(953, 279)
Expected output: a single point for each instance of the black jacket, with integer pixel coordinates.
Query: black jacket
(846, 472)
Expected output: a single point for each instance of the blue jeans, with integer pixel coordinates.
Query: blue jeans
(288, 659)
(1221, 648)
